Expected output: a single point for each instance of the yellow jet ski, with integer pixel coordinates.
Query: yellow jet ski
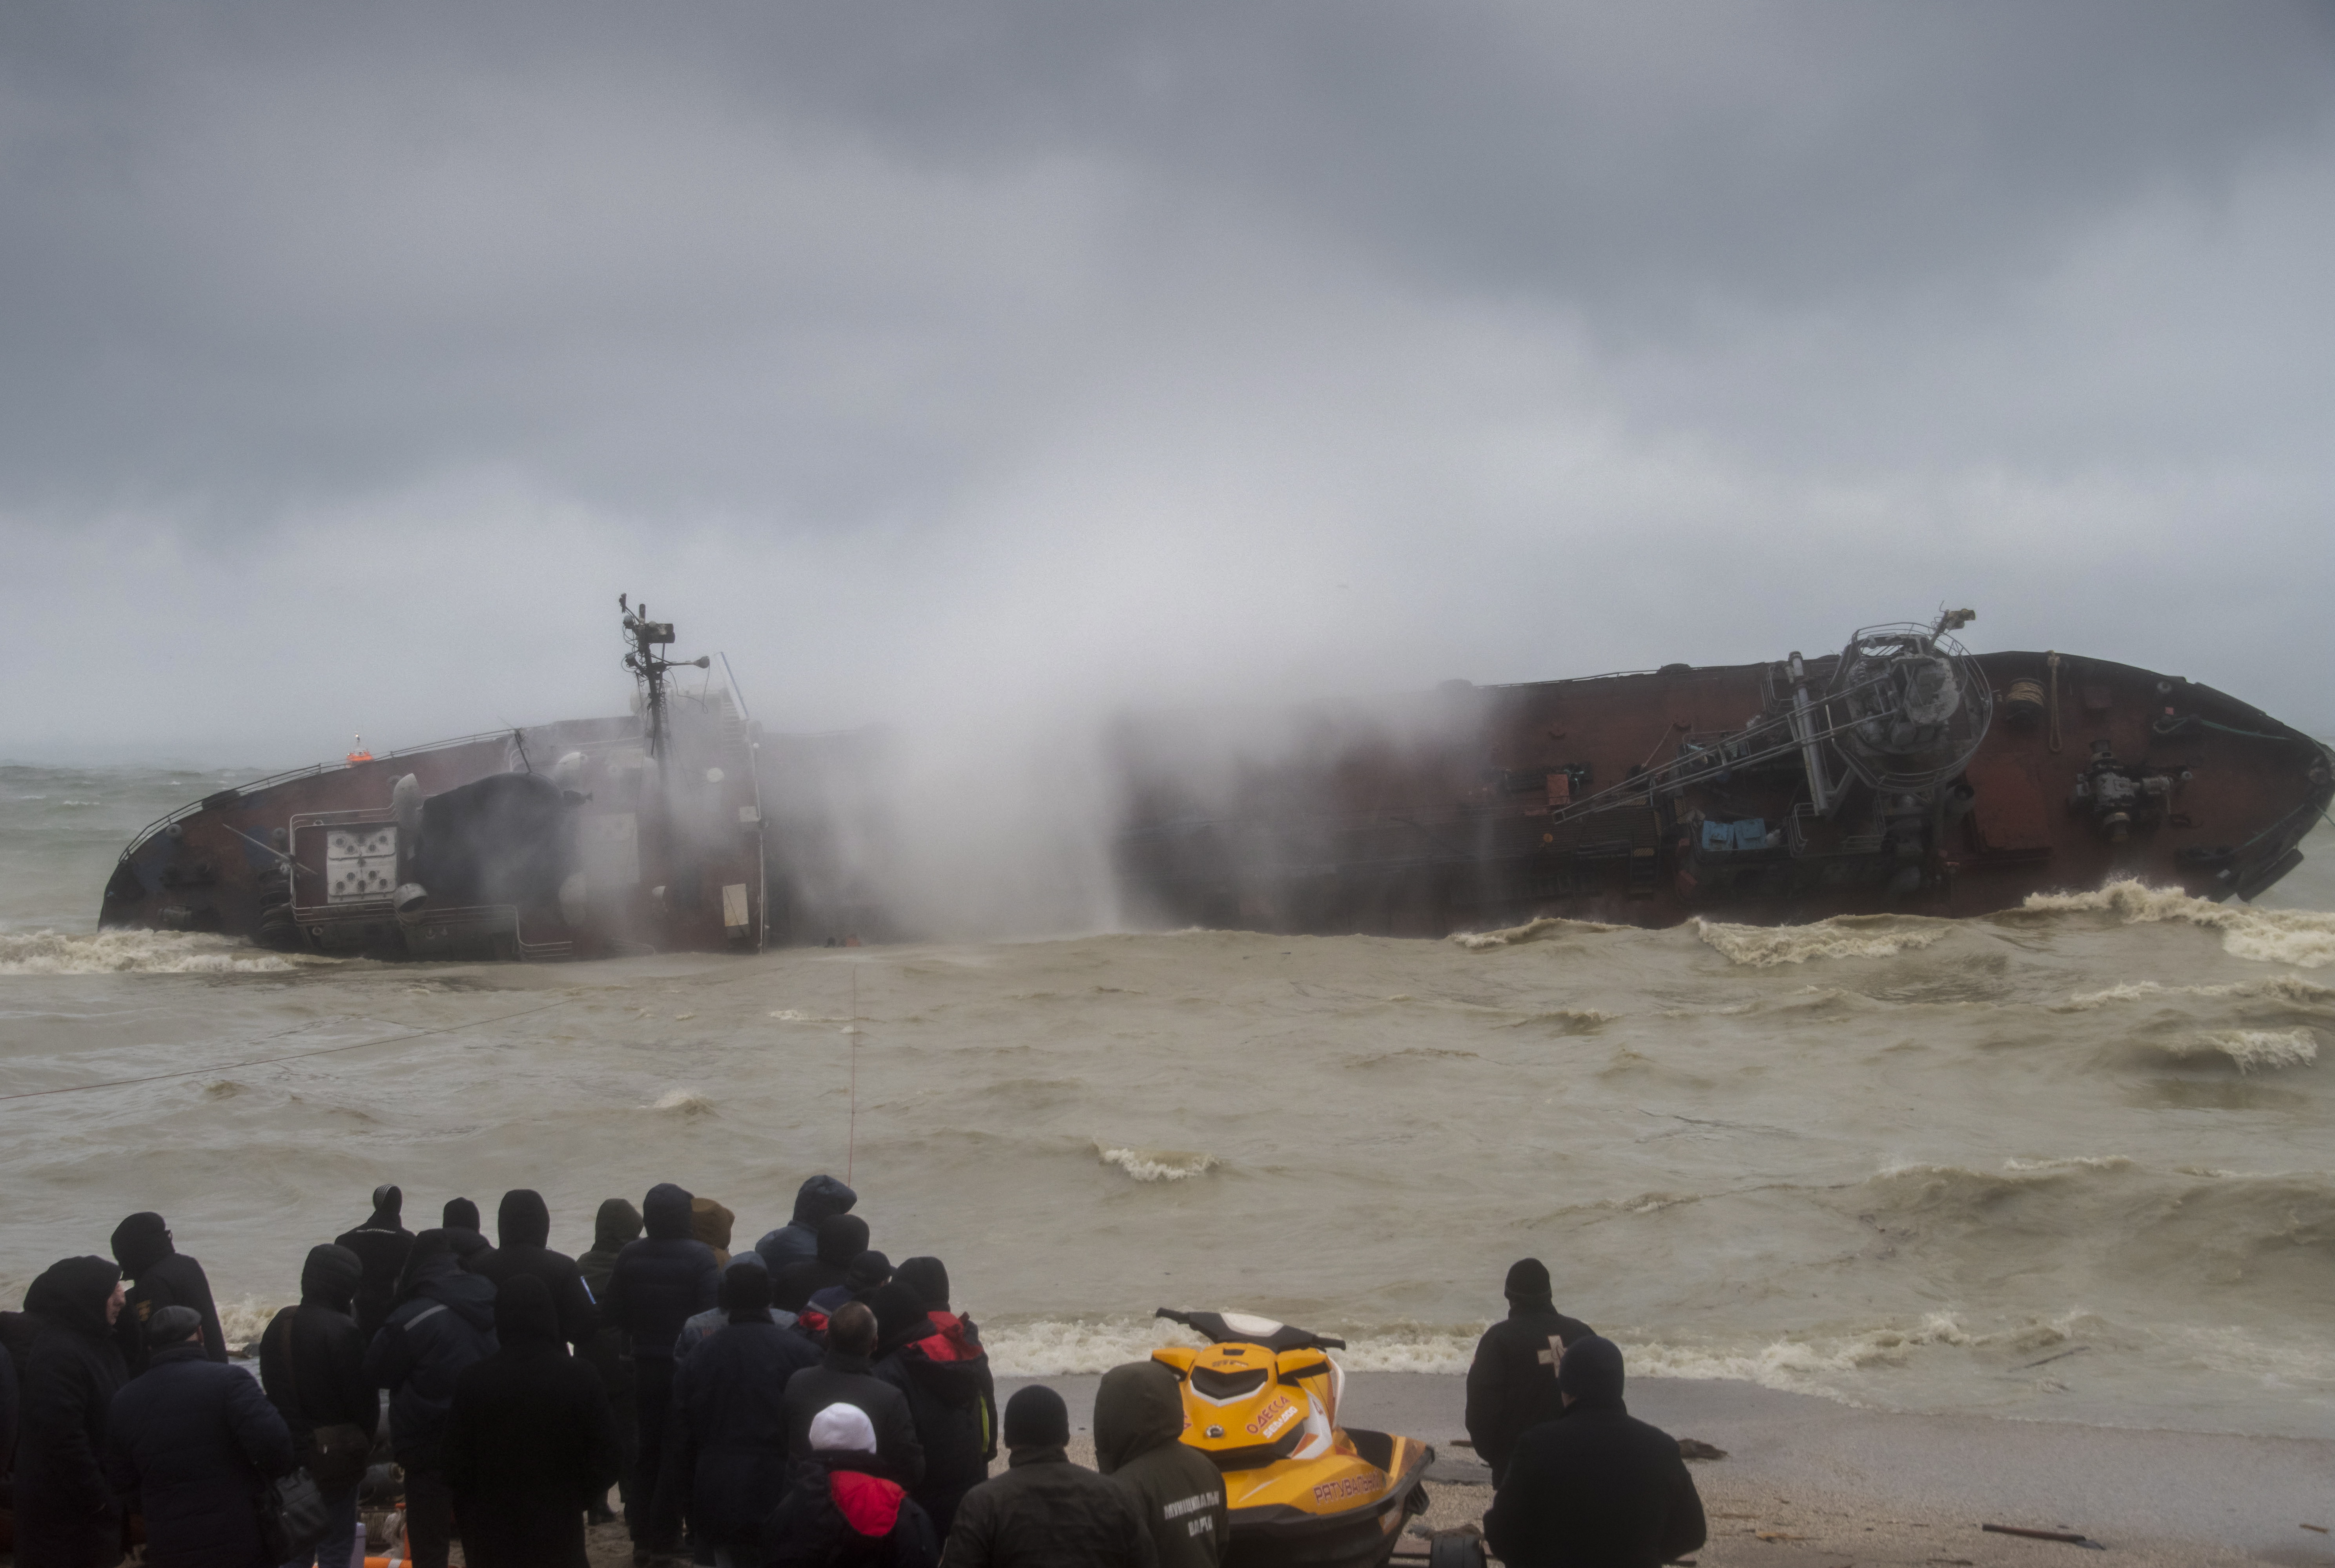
(1260, 1400)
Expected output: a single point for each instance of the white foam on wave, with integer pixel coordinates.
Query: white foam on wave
(1157, 1164)
(2261, 1049)
(141, 952)
(2302, 937)
(686, 1102)
(1057, 1347)
(1850, 936)
(1540, 930)
(245, 1319)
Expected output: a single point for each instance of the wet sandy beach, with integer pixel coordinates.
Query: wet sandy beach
(1808, 1483)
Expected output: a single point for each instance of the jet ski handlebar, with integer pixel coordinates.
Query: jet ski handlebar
(1240, 1328)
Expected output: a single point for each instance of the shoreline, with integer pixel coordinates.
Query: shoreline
(1810, 1483)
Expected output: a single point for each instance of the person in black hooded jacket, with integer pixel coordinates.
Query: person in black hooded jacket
(443, 1322)
(797, 1241)
(193, 1441)
(529, 1442)
(522, 1227)
(1512, 1382)
(841, 1238)
(616, 1226)
(944, 1401)
(311, 1364)
(659, 1283)
(1595, 1487)
(160, 1276)
(67, 1513)
(725, 1459)
(381, 1243)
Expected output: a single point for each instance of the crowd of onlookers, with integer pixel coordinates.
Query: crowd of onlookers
(802, 1402)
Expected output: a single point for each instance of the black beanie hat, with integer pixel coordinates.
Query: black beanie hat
(1529, 1280)
(899, 1316)
(172, 1326)
(745, 1287)
(1036, 1417)
(841, 1238)
(869, 1270)
(928, 1279)
(1590, 1370)
(461, 1214)
(332, 1274)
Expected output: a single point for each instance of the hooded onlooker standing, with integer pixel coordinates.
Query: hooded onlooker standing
(956, 1338)
(797, 1241)
(944, 1401)
(615, 1228)
(459, 1215)
(1045, 1512)
(712, 1223)
(1512, 1382)
(381, 1244)
(312, 1362)
(193, 1441)
(529, 1442)
(443, 1322)
(160, 1276)
(1595, 1487)
(1138, 1432)
(8, 1403)
(67, 1514)
(522, 1232)
(841, 1238)
(725, 1459)
(659, 1283)
(842, 1377)
(840, 1511)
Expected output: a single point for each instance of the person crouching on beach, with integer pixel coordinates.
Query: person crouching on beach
(1596, 1487)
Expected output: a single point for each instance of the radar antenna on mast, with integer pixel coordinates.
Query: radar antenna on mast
(649, 667)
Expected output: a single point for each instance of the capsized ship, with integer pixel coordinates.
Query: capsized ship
(1902, 773)
(589, 837)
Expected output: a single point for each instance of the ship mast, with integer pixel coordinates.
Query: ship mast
(650, 666)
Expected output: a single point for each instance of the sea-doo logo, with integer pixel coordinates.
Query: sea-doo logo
(1272, 1417)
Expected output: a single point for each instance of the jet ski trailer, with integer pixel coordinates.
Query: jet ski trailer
(585, 837)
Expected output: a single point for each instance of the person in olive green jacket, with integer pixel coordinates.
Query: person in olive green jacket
(1138, 1428)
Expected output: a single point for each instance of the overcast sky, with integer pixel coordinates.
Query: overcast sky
(990, 359)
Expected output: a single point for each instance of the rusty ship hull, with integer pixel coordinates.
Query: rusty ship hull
(1722, 792)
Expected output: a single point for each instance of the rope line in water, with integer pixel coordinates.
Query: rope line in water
(272, 1060)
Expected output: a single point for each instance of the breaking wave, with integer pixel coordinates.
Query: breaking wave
(1157, 1164)
(2261, 1049)
(683, 1102)
(1059, 1347)
(2302, 937)
(1540, 930)
(1843, 936)
(140, 952)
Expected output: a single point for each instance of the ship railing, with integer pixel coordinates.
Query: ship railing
(313, 770)
(1798, 835)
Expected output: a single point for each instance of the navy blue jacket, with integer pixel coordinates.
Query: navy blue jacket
(797, 1241)
(662, 1279)
(193, 1439)
(68, 1514)
(726, 1454)
(447, 1324)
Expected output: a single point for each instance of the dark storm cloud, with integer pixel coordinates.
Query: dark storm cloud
(1152, 350)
